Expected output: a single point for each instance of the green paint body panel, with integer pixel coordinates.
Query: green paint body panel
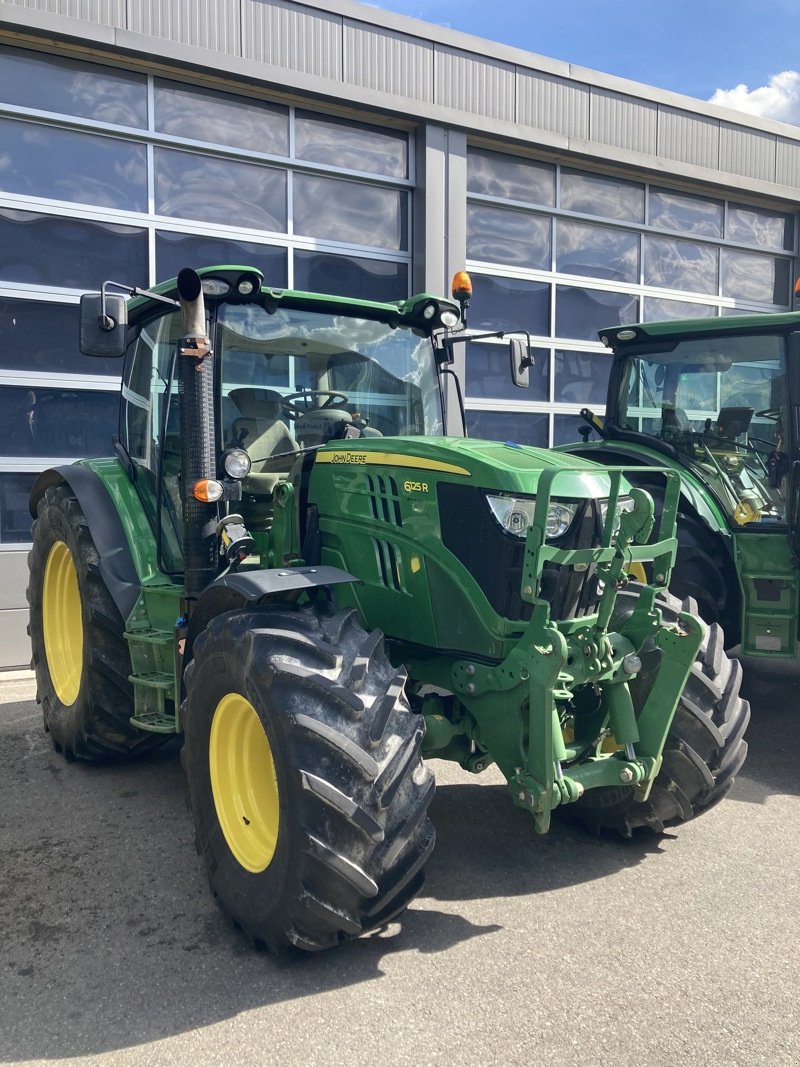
(150, 627)
(769, 584)
(389, 534)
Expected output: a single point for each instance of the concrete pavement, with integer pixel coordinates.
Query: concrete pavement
(566, 949)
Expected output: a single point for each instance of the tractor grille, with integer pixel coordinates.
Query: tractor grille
(494, 557)
(384, 499)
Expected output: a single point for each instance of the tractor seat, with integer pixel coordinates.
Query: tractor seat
(261, 431)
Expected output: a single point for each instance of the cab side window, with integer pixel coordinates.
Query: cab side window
(152, 444)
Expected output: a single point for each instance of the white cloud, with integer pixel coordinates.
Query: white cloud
(779, 99)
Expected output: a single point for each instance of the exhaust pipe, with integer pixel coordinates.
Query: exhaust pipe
(196, 407)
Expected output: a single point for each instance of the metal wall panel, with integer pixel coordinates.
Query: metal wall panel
(15, 645)
(13, 579)
(15, 648)
(474, 84)
(99, 12)
(623, 121)
(375, 58)
(460, 84)
(555, 104)
(286, 35)
(787, 163)
(688, 138)
(212, 24)
(747, 152)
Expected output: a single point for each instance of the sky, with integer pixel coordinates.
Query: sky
(744, 54)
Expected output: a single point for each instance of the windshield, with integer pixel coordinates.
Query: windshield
(720, 402)
(293, 379)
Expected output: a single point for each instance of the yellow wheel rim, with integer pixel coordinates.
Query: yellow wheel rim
(243, 783)
(62, 623)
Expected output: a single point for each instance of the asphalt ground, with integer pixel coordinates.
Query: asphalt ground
(525, 950)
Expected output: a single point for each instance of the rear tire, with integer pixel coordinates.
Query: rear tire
(705, 747)
(704, 571)
(80, 657)
(305, 780)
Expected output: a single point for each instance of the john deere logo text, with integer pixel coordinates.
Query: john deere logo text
(349, 457)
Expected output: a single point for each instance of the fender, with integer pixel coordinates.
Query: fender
(116, 563)
(693, 496)
(249, 589)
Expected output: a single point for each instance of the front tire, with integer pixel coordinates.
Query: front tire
(705, 746)
(80, 657)
(305, 779)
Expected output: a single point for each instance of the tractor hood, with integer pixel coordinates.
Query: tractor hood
(504, 467)
(436, 532)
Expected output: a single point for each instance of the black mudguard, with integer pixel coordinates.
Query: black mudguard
(116, 563)
(233, 591)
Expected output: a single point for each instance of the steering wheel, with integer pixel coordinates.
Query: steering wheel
(769, 413)
(294, 411)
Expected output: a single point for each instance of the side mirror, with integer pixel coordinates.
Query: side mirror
(521, 361)
(104, 324)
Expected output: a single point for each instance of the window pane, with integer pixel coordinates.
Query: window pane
(581, 377)
(39, 160)
(758, 226)
(657, 309)
(675, 264)
(174, 251)
(510, 304)
(521, 427)
(53, 421)
(69, 87)
(597, 251)
(583, 313)
(35, 336)
(351, 212)
(353, 145)
(515, 238)
(73, 253)
(689, 214)
(15, 518)
(488, 373)
(221, 118)
(749, 276)
(365, 279)
(595, 194)
(191, 186)
(510, 178)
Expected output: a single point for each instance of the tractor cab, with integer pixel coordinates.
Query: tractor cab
(286, 373)
(719, 401)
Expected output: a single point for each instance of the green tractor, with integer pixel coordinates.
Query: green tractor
(288, 562)
(717, 400)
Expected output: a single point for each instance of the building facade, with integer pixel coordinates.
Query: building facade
(348, 150)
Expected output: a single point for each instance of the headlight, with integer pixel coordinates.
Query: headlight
(559, 518)
(236, 463)
(515, 514)
(624, 503)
